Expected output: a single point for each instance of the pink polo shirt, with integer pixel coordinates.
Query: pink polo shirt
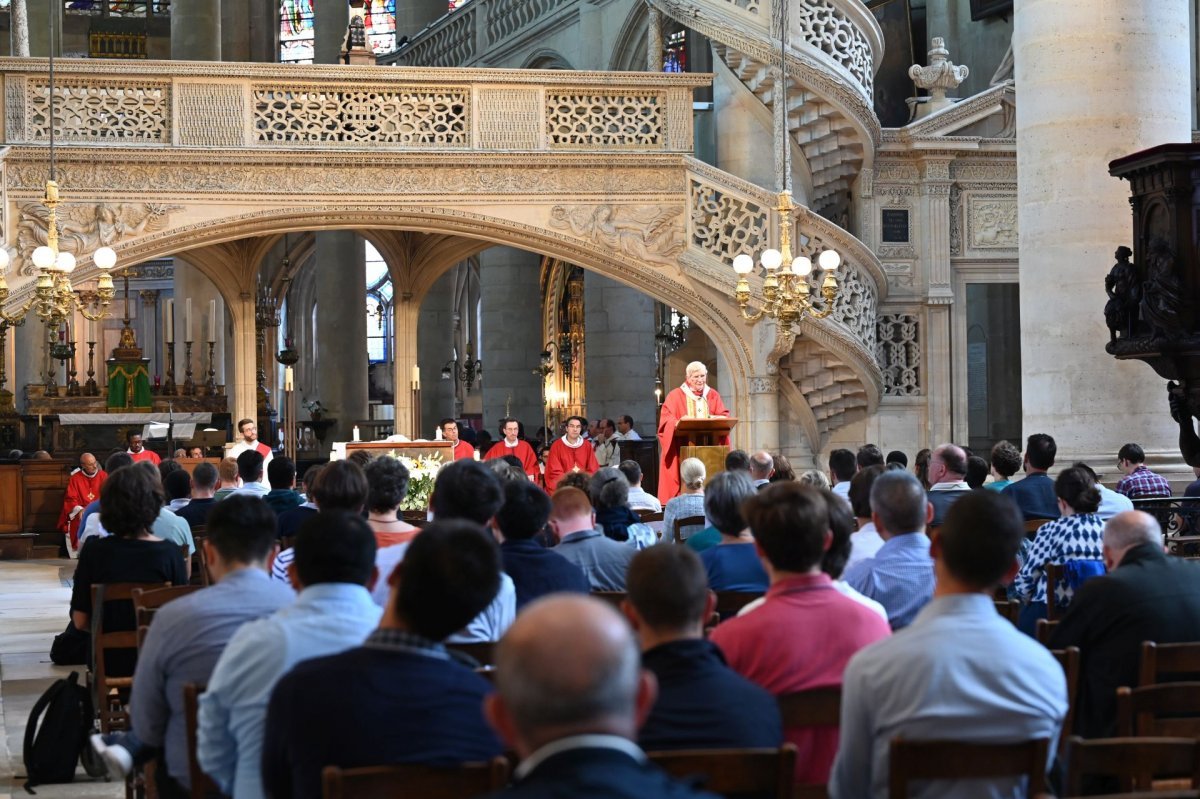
(801, 638)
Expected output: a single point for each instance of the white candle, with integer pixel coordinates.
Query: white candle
(169, 322)
(212, 320)
(91, 331)
(416, 377)
(288, 384)
(187, 320)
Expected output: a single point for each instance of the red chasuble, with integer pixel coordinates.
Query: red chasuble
(463, 449)
(679, 404)
(522, 450)
(82, 491)
(145, 455)
(563, 459)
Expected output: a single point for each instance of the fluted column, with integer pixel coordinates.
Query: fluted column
(1097, 81)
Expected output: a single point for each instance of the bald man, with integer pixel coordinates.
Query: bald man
(570, 696)
(762, 466)
(83, 488)
(1146, 596)
(947, 479)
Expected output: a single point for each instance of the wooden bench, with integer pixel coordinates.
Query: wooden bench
(1163, 659)
(731, 772)
(1135, 762)
(1165, 710)
(426, 782)
(911, 761)
(686, 521)
(17, 546)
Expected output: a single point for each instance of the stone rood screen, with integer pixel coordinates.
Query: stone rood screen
(176, 104)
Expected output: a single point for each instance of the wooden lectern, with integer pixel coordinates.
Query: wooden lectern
(698, 439)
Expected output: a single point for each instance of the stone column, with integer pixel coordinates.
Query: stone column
(433, 350)
(341, 383)
(264, 30)
(196, 30)
(413, 15)
(29, 357)
(619, 357)
(406, 325)
(512, 340)
(1098, 81)
(330, 21)
(935, 211)
(40, 16)
(235, 30)
(241, 385)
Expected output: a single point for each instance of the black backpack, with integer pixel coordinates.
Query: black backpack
(53, 746)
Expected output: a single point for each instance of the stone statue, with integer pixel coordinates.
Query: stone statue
(1162, 301)
(1124, 295)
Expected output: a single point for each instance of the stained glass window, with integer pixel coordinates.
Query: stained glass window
(381, 25)
(379, 306)
(675, 52)
(113, 8)
(296, 31)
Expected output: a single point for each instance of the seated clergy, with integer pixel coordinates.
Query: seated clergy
(702, 703)
(959, 672)
(400, 697)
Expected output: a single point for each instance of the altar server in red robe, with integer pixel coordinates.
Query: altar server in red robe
(462, 449)
(139, 451)
(571, 453)
(82, 489)
(511, 445)
(693, 400)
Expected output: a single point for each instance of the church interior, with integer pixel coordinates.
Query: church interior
(882, 222)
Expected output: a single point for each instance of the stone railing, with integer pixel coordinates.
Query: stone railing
(463, 36)
(728, 216)
(183, 104)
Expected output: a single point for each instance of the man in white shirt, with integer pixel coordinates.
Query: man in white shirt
(251, 466)
(639, 499)
(249, 433)
(607, 451)
(625, 431)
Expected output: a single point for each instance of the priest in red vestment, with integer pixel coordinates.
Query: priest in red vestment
(248, 429)
(82, 489)
(571, 453)
(693, 400)
(139, 451)
(511, 445)
(462, 449)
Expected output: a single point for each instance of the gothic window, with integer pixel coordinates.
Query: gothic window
(379, 307)
(296, 31)
(381, 25)
(114, 8)
(675, 56)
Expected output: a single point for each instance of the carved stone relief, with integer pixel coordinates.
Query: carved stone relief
(650, 232)
(900, 354)
(992, 223)
(83, 228)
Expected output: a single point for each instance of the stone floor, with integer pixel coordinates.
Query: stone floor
(34, 595)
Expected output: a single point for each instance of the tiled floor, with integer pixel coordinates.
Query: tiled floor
(33, 609)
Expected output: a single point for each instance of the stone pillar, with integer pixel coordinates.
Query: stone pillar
(762, 417)
(330, 21)
(406, 326)
(241, 385)
(40, 16)
(433, 350)
(29, 357)
(264, 30)
(654, 39)
(935, 211)
(619, 357)
(341, 383)
(1098, 81)
(196, 30)
(235, 30)
(512, 342)
(413, 15)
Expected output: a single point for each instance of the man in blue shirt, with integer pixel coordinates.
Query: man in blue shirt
(534, 569)
(702, 703)
(900, 575)
(401, 697)
(334, 566)
(960, 672)
(190, 633)
(1034, 494)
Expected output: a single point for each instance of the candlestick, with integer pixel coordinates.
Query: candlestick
(212, 321)
(169, 322)
(189, 385)
(169, 389)
(288, 379)
(210, 385)
(90, 389)
(72, 384)
(187, 321)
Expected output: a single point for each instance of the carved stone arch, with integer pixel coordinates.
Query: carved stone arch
(629, 50)
(546, 58)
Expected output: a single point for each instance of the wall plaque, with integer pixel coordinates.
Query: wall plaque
(894, 225)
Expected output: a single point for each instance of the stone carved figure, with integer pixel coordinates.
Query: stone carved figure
(649, 232)
(84, 228)
(1162, 302)
(1124, 296)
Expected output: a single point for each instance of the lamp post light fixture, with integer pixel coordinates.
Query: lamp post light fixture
(466, 372)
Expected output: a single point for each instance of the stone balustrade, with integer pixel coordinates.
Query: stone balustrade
(187, 104)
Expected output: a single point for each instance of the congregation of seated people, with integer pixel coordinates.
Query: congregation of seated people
(574, 632)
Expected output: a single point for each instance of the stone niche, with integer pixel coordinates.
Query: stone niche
(1153, 311)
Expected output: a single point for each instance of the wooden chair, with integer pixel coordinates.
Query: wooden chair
(1135, 762)
(911, 761)
(147, 602)
(1045, 628)
(730, 603)
(426, 782)
(1033, 525)
(1167, 709)
(648, 516)
(614, 598)
(761, 772)
(199, 574)
(1069, 660)
(1009, 609)
(817, 707)
(686, 521)
(1054, 575)
(484, 652)
(1161, 659)
(203, 786)
(111, 694)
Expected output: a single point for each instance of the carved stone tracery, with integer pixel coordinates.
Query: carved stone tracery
(900, 354)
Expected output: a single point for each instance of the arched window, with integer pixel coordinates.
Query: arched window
(296, 20)
(379, 308)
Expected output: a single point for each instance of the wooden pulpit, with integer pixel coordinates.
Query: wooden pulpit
(698, 439)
